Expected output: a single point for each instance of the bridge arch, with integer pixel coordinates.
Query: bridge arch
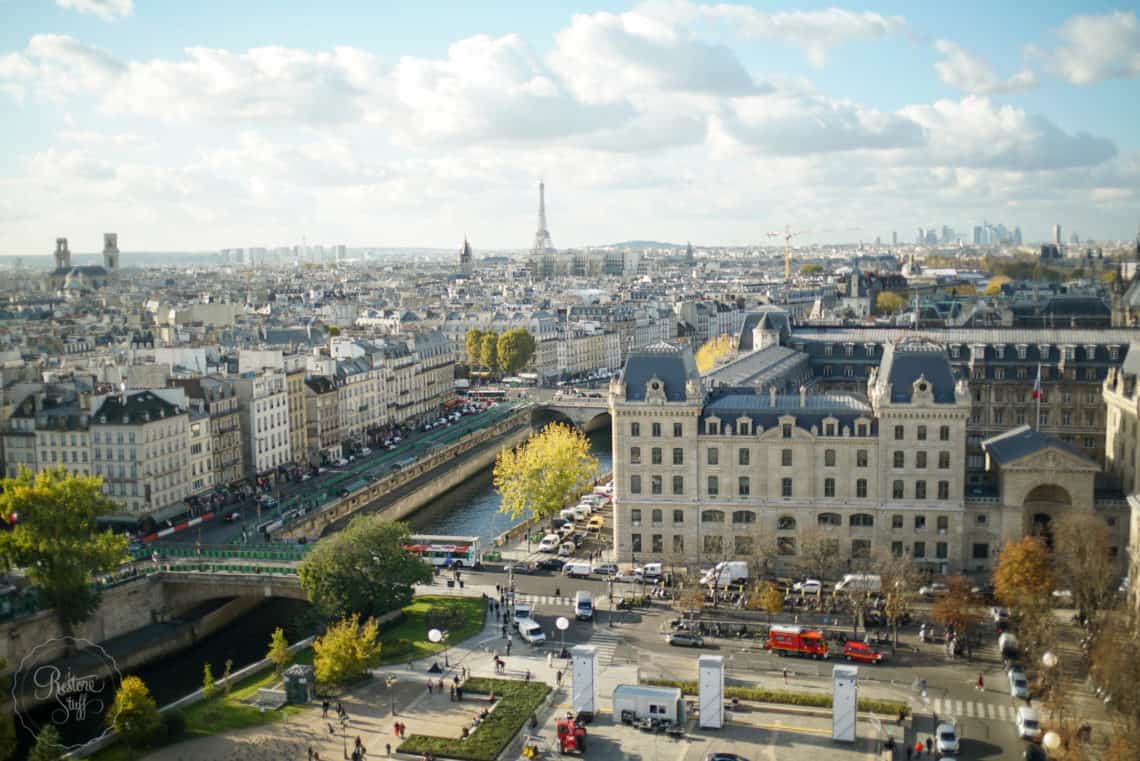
(585, 419)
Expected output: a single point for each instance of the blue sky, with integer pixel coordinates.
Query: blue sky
(218, 124)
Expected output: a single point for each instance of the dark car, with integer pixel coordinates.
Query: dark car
(233, 517)
(523, 568)
(685, 639)
(724, 757)
(551, 564)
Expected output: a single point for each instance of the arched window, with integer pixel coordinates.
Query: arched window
(830, 519)
(786, 523)
(744, 516)
(712, 516)
(862, 520)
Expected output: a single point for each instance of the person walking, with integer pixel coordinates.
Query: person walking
(981, 685)
(325, 709)
(785, 676)
(388, 749)
(930, 745)
(429, 686)
(558, 679)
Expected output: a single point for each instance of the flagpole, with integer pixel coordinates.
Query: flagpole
(1037, 391)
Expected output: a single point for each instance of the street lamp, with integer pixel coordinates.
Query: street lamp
(390, 682)
(562, 624)
(1051, 740)
(344, 734)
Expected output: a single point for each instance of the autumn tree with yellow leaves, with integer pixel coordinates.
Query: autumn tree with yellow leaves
(544, 473)
(714, 351)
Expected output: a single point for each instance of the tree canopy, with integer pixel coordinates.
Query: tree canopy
(54, 537)
(811, 268)
(364, 569)
(134, 714)
(489, 350)
(515, 348)
(996, 282)
(474, 342)
(544, 473)
(48, 747)
(713, 351)
(278, 650)
(1081, 544)
(889, 302)
(957, 608)
(1023, 577)
(346, 650)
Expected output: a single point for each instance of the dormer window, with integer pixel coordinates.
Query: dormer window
(1022, 351)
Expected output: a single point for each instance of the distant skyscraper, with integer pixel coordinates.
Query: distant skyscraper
(947, 234)
(895, 238)
(921, 238)
(979, 232)
(1074, 239)
(1057, 235)
(690, 259)
(466, 260)
(542, 241)
(1017, 236)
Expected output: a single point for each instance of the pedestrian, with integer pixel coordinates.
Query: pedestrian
(331, 730)
(451, 696)
(558, 679)
(396, 728)
(785, 676)
(388, 749)
(508, 646)
(981, 686)
(909, 752)
(339, 709)
(325, 709)
(310, 753)
(930, 745)
(429, 686)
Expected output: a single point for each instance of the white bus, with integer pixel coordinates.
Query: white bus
(446, 551)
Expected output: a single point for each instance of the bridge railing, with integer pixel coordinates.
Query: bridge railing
(271, 552)
(244, 569)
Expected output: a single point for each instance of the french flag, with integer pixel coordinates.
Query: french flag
(1037, 385)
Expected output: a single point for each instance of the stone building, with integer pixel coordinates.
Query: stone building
(736, 473)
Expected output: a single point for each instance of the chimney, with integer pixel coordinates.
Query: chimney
(803, 396)
(772, 395)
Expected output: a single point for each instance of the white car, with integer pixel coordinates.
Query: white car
(808, 586)
(947, 740)
(549, 543)
(606, 569)
(1028, 724)
(365, 452)
(341, 463)
(1018, 685)
(999, 614)
(933, 590)
(566, 549)
(634, 575)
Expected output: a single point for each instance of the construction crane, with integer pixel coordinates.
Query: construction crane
(787, 235)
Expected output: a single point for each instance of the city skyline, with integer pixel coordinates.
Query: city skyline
(409, 127)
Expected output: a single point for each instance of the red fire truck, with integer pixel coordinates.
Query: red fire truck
(797, 640)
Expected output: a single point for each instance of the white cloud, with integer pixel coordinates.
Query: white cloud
(108, 10)
(1096, 47)
(57, 65)
(607, 57)
(964, 71)
(973, 132)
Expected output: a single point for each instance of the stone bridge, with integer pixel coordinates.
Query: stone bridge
(185, 585)
(586, 413)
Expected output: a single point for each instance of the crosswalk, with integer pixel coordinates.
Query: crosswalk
(606, 641)
(974, 709)
(540, 601)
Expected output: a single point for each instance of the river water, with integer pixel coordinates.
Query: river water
(471, 509)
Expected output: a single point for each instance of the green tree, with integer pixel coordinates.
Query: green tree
(995, 284)
(489, 350)
(346, 650)
(474, 346)
(545, 472)
(1023, 576)
(56, 540)
(209, 688)
(134, 715)
(48, 746)
(811, 269)
(333, 331)
(227, 676)
(515, 348)
(278, 650)
(364, 569)
(889, 302)
(8, 742)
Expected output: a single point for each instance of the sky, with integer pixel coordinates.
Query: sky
(206, 125)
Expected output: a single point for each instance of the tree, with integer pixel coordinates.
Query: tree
(544, 473)
(363, 569)
(1080, 546)
(48, 745)
(1114, 665)
(227, 674)
(8, 741)
(333, 331)
(713, 351)
(1023, 577)
(209, 689)
(811, 268)
(55, 537)
(768, 598)
(489, 350)
(515, 348)
(346, 650)
(134, 715)
(278, 650)
(474, 346)
(898, 578)
(994, 287)
(889, 302)
(958, 608)
(819, 554)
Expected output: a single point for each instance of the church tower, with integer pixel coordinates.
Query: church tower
(111, 253)
(62, 255)
(466, 260)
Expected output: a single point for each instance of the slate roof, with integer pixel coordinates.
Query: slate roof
(673, 365)
(905, 362)
(139, 408)
(729, 405)
(768, 319)
(1023, 441)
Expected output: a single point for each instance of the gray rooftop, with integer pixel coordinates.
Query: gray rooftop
(905, 362)
(673, 365)
(1075, 336)
(1023, 441)
(743, 401)
(759, 368)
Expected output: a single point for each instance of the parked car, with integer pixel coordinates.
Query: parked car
(606, 569)
(808, 586)
(1018, 685)
(365, 451)
(551, 564)
(522, 568)
(1028, 724)
(933, 590)
(566, 549)
(549, 543)
(947, 740)
(685, 639)
(233, 517)
(596, 523)
(633, 575)
(861, 652)
(724, 757)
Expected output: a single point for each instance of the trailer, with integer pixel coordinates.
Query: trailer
(633, 703)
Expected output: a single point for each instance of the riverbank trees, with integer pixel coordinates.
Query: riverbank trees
(53, 534)
(364, 569)
(547, 471)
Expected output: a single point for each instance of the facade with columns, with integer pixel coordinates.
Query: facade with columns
(739, 473)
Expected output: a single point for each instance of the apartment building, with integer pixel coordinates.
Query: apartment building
(218, 396)
(203, 477)
(324, 438)
(295, 372)
(264, 415)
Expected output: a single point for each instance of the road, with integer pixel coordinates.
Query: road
(324, 486)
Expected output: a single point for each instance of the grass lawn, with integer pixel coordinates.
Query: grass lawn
(787, 697)
(407, 638)
(517, 702)
(222, 714)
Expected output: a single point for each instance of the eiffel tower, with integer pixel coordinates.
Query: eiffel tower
(542, 242)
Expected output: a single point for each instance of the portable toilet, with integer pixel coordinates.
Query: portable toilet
(299, 684)
(844, 702)
(710, 691)
(584, 681)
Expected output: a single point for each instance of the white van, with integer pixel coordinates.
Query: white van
(524, 611)
(651, 570)
(578, 570)
(531, 631)
(860, 582)
(583, 606)
(1028, 724)
(549, 543)
(568, 514)
(582, 512)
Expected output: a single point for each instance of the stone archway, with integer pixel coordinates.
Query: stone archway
(1042, 505)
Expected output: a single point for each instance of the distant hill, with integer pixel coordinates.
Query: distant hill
(645, 244)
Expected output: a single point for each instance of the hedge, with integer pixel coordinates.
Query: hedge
(787, 697)
(517, 702)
